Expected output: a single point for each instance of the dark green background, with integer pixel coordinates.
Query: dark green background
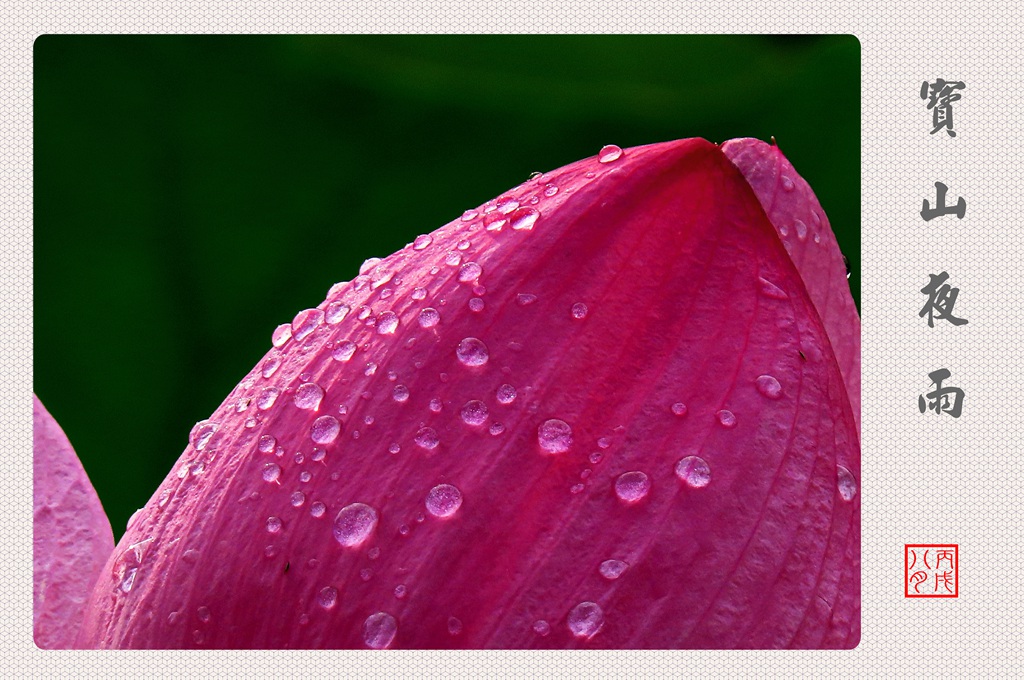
(192, 193)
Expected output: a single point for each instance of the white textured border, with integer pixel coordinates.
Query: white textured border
(928, 479)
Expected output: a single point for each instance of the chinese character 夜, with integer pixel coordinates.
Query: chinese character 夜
(941, 298)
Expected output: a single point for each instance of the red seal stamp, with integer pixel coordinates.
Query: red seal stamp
(931, 570)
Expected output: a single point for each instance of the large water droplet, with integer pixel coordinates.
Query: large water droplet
(344, 350)
(443, 500)
(579, 311)
(274, 525)
(693, 471)
(609, 154)
(542, 627)
(612, 569)
(769, 386)
(801, 229)
(632, 487)
(769, 289)
(523, 219)
(400, 393)
(201, 434)
(271, 472)
(554, 436)
(305, 322)
(324, 430)
(270, 366)
(585, 620)
(550, 190)
(281, 334)
(506, 394)
(317, 509)
(267, 443)
(476, 304)
(427, 438)
(470, 272)
(429, 317)
(726, 418)
(474, 412)
(354, 524)
(379, 630)
(787, 183)
(126, 567)
(422, 241)
(679, 408)
(472, 352)
(308, 396)
(336, 312)
(846, 483)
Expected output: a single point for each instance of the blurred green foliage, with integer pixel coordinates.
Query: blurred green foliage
(192, 193)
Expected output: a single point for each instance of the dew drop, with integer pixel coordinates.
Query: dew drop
(679, 408)
(422, 241)
(364, 313)
(317, 509)
(801, 229)
(472, 352)
(542, 628)
(368, 264)
(201, 434)
(270, 365)
(435, 405)
(726, 418)
(579, 311)
(400, 393)
(443, 500)
(298, 499)
(554, 436)
(550, 190)
(846, 483)
(274, 525)
(308, 396)
(524, 299)
(585, 620)
(419, 293)
(787, 183)
(464, 244)
(426, 438)
(604, 442)
(454, 625)
(305, 476)
(506, 394)
(523, 219)
(387, 323)
(632, 487)
(612, 569)
(401, 590)
(769, 387)
(327, 597)
(271, 472)
(379, 630)
(495, 429)
(817, 238)
(429, 317)
(354, 524)
(204, 614)
(469, 215)
(336, 312)
(784, 229)
(507, 204)
(344, 351)
(474, 412)
(281, 334)
(693, 471)
(769, 289)
(305, 322)
(453, 259)
(470, 272)
(324, 430)
(609, 154)
(476, 304)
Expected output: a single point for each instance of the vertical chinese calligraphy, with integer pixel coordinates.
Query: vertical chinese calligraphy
(940, 95)
(942, 399)
(941, 298)
(940, 209)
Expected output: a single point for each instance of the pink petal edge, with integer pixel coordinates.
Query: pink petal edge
(71, 537)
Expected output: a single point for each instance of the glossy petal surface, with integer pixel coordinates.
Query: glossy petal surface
(71, 537)
(457, 478)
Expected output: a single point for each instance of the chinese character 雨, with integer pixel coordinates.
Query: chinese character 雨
(940, 95)
(939, 400)
(929, 213)
(941, 298)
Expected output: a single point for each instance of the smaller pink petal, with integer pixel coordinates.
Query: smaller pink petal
(71, 535)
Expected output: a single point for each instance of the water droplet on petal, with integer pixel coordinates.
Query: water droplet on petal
(273, 525)
(281, 334)
(554, 436)
(418, 293)
(542, 628)
(550, 189)
(769, 289)
(400, 393)
(387, 323)
(429, 317)
(308, 396)
(305, 322)
(801, 229)
(435, 405)
(506, 394)
(317, 509)
(470, 272)
(524, 299)
(270, 366)
(787, 183)
(579, 311)
(298, 499)
(379, 630)
(474, 412)
(585, 620)
(523, 219)
(422, 241)
(846, 483)
(267, 443)
(476, 304)
(354, 524)
(400, 590)
(472, 352)
(324, 430)
(271, 472)
(726, 418)
(693, 471)
(344, 351)
(454, 626)
(679, 408)
(426, 438)
(612, 569)
(443, 500)
(336, 312)
(469, 215)
(632, 487)
(609, 154)
(201, 434)
(769, 386)
(496, 428)
(327, 597)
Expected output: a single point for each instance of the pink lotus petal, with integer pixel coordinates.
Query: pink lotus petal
(71, 535)
(647, 381)
(805, 231)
